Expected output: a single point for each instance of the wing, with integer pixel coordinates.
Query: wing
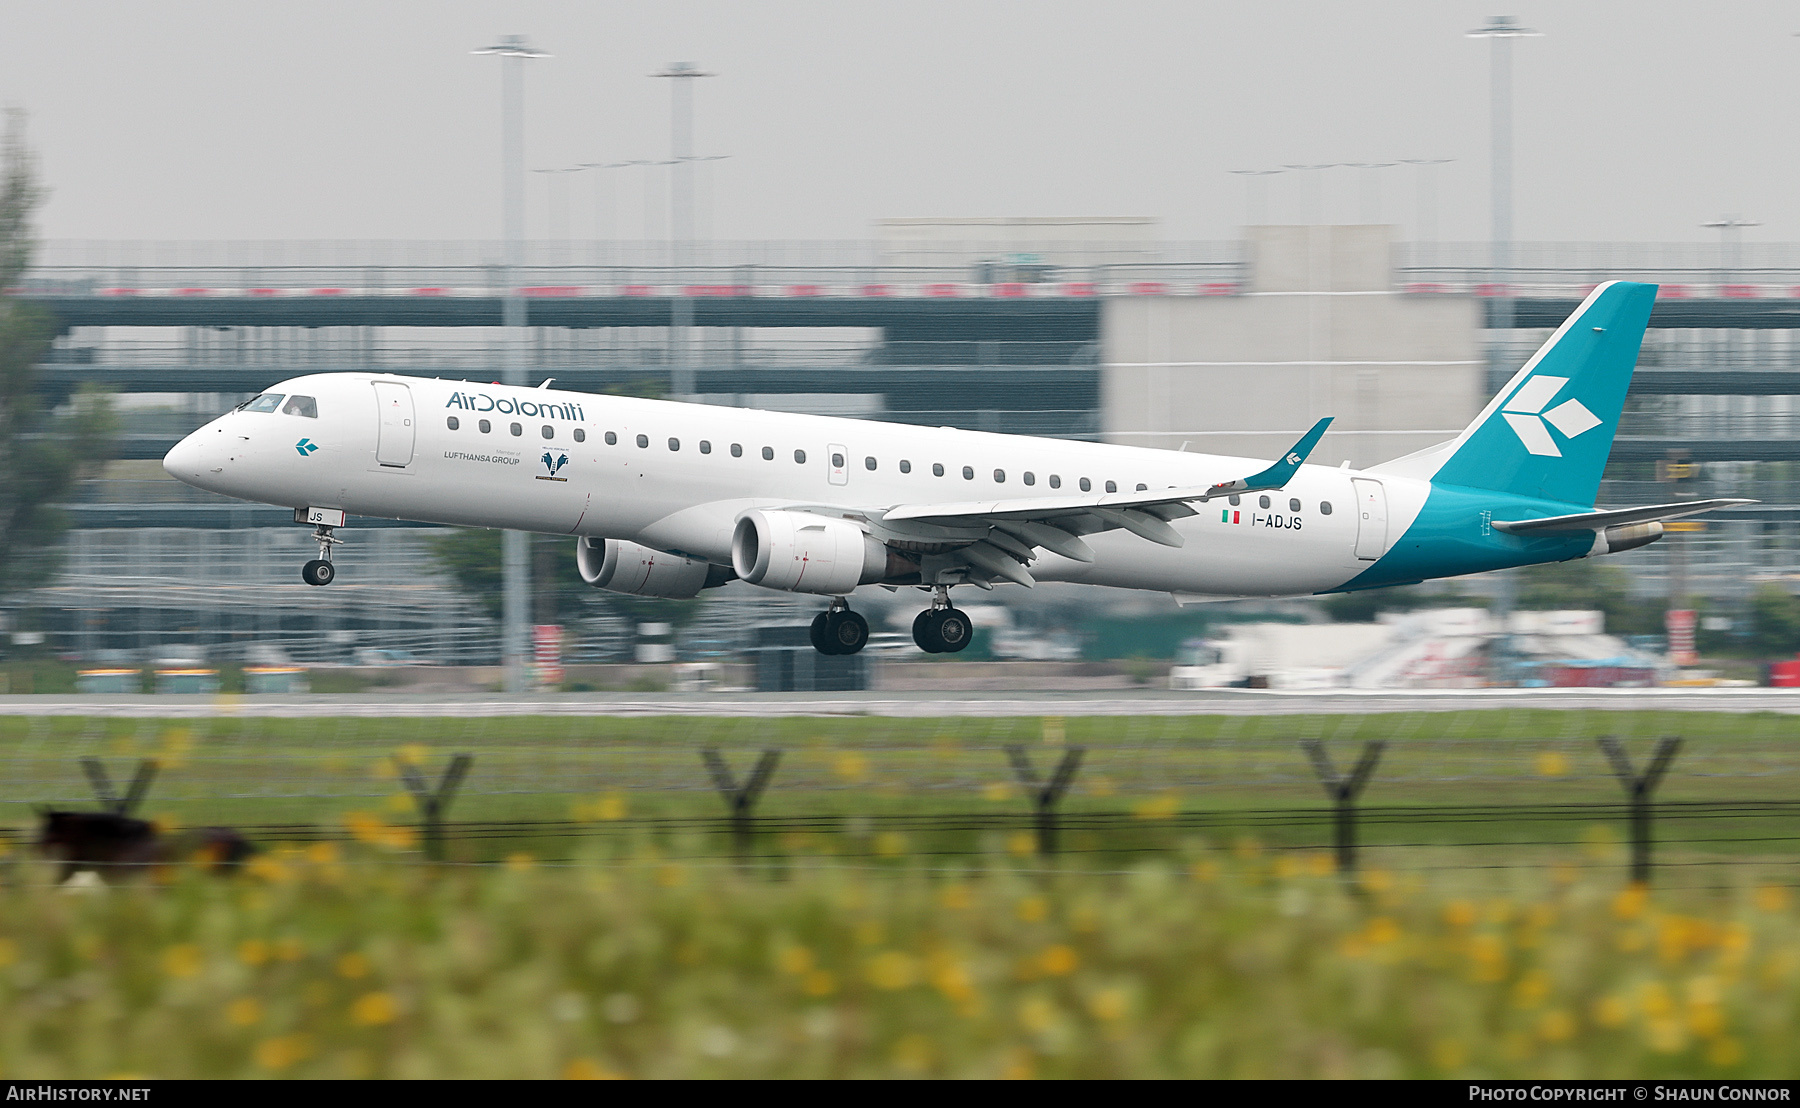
(1593, 521)
(999, 539)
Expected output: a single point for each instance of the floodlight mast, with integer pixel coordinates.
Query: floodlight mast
(681, 217)
(1730, 243)
(515, 567)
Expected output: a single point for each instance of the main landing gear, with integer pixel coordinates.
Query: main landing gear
(942, 629)
(838, 630)
(320, 571)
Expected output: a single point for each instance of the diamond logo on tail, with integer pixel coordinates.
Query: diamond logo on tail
(1524, 413)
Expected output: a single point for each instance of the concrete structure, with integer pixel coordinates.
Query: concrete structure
(1320, 330)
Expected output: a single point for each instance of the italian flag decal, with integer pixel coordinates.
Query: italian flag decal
(1226, 515)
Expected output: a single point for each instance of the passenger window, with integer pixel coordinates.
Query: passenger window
(768, 453)
(1086, 485)
(517, 430)
(1234, 499)
(549, 431)
(837, 461)
(1112, 486)
(799, 457)
(1325, 507)
(1262, 502)
(643, 442)
(1055, 481)
(267, 402)
(1293, 505)
(999, 477)
(301, 406)
(612, 439)
(737, 450)
(937, 469)
(968, 473)
(452, 423)
(905, 466)
(485, 426)
(674, 445)
(1030, 477)
(580, 435)
(706, 446)
(1143, 488)
(869, 464)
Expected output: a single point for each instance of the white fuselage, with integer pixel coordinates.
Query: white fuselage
(676, 477)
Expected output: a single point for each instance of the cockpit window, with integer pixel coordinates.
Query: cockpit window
(301, 406)
(267, 402)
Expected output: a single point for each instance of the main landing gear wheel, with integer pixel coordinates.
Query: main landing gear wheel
(942, 631)
(317, 572)
(839, 632)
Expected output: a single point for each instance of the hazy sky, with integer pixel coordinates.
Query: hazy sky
(350, 120)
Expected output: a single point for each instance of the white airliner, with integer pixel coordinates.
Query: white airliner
(667, 499)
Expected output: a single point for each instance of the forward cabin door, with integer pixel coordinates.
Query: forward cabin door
(394, 438)
(1371, 518)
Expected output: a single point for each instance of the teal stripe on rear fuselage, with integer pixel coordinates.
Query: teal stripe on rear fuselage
(1451, 536)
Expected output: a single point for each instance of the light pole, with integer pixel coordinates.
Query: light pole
(515, 568)
(1730, 243)
(681, 76)
(1500, 31)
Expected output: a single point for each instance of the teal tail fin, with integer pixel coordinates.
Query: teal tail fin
(1549, 431)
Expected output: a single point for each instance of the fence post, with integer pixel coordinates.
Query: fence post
(434, 803)
(1044, 796)
(1343, 792)
(1638, 791)
(740, 800)
(134, 793)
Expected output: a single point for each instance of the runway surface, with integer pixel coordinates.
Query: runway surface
(1149, 702)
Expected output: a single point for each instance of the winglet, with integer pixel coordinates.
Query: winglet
(1281, 472)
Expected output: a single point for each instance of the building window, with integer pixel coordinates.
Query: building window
(1293, 505)
(674, 445)
(937, 469)
(1112, 486)
(706, 446)
(968, 473)
(1087, 485)
(737, 450)
(453, 423)
(643, 442)
(485, 426)
(1324, 507)
(1030, 477)
(612, 439)
(517, 430)
(768, 453)
(580, 435)
(1262, 502)
(549, 431)
(1055, 481)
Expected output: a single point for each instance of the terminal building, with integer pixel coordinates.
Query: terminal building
(1081, 328)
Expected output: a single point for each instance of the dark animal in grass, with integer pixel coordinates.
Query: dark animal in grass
(109, 844)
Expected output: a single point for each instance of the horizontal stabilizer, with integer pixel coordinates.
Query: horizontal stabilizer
(1593, 521)
(1278, 474)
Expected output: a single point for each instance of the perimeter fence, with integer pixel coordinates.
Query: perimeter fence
(1428, 791)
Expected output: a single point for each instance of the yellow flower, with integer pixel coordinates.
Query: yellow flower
(1488, 953)
(890, 844)
(954, 897)
(520, 861)
(586, 1069)
(1630, 902)
(1666, 1035)
(1459, 913)
(1531, 989)
(353, 966)
(373, 1010)
(670, 876)
(952, 979)
(1058, 960)
(912, 1053)
(1611, 1011)
(852, 767)
(1725, 1052)
(413, 754)
(1033, 909)
(1556, 1026)
(182, 960)
(1020, 843)
(612, 806)
(820, 983)
(322, 854)
(1109, 1004)
(243, 1012)
(1383, 929)
(1037, 1013)
(892, 969)
(795, 960)
(1449, 1054)
(1166, 805)
(1771, 898)
(9, 952)
(1552, 763)
(289, 949)
(1204, 870)
(282, 1051)
(997, 791)
(400, 802)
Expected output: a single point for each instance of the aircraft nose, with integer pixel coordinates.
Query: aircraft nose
(190, 459)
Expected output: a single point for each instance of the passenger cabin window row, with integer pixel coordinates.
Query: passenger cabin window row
(482, 425)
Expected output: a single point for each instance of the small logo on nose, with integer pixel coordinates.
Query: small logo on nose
(305, 447)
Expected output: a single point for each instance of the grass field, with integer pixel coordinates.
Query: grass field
(1208, 960)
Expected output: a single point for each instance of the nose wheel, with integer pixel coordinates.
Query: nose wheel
(320, 571)
(838, 630)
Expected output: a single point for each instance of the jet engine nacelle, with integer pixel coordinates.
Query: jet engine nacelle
(804, 552)
(1628, 536)
(638, 570)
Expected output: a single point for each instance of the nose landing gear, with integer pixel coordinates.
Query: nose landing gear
(838, 630)
(320, 571)
(942, 629)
